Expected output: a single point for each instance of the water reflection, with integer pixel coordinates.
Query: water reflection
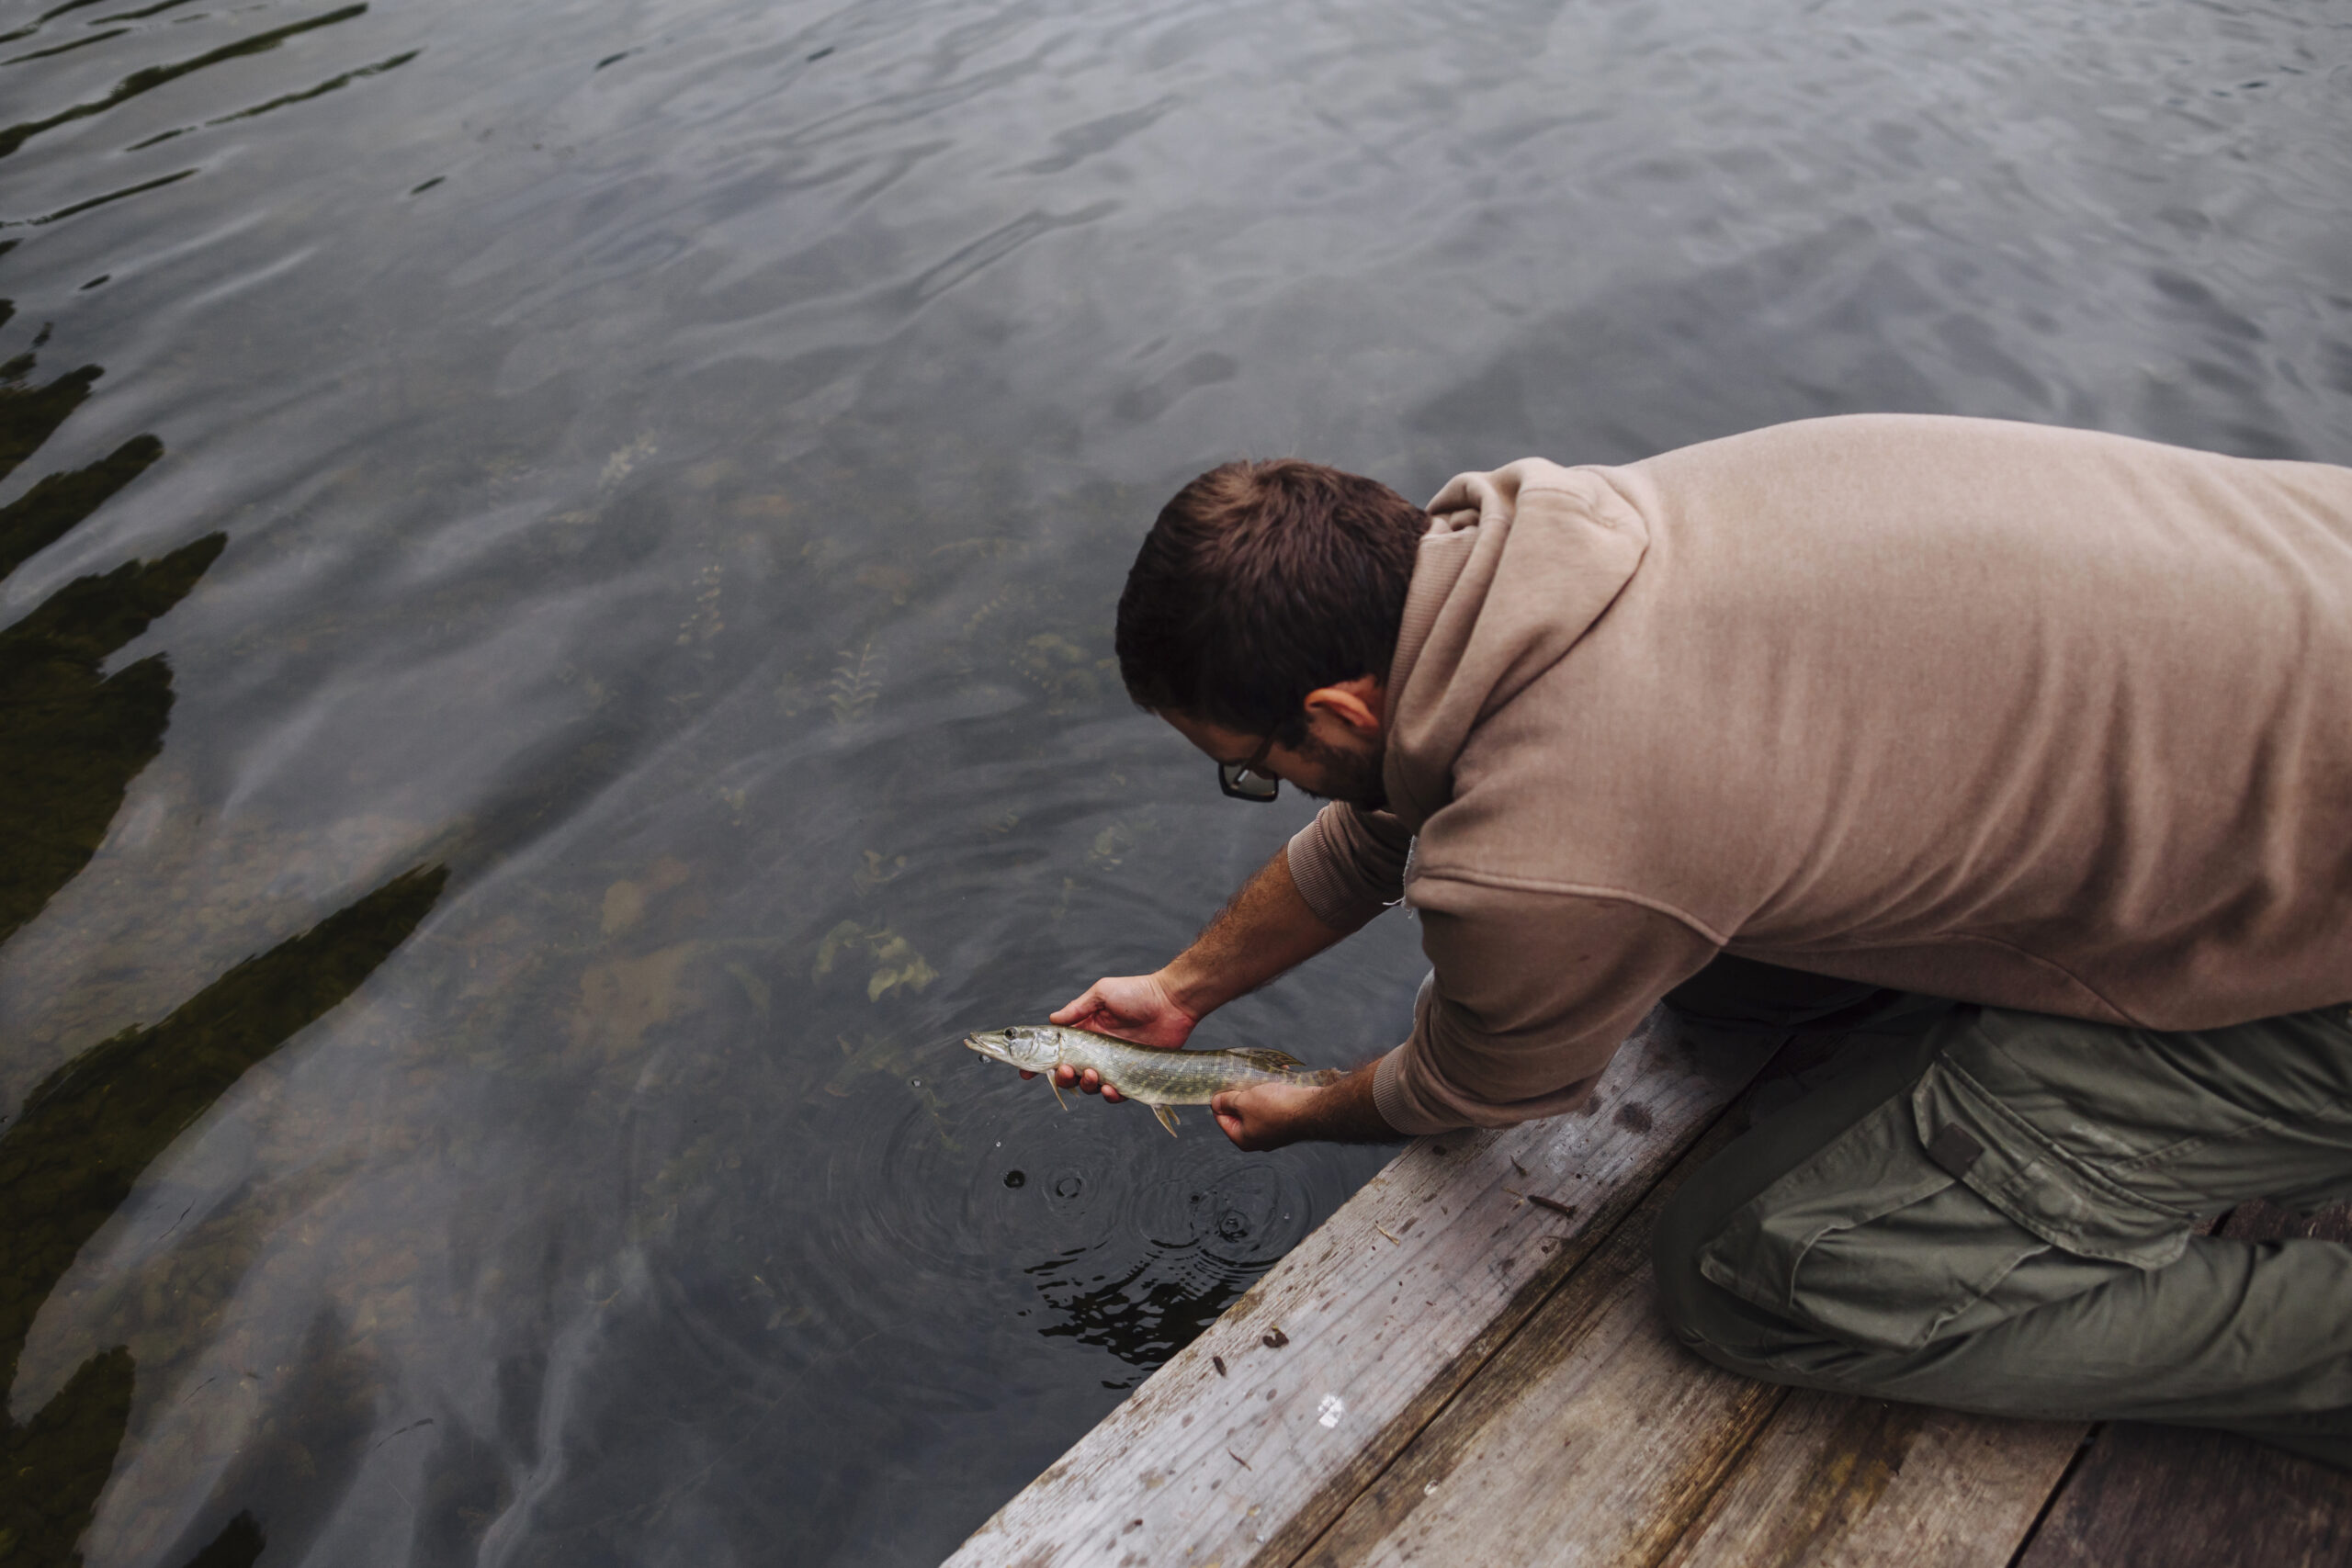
(72, 739)
(148, 78)
(29, 415)
(70, 1159)
(75, 738)
(41, 515)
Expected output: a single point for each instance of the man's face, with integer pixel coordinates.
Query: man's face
(1333, 760)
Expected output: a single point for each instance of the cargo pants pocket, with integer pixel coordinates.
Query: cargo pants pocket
(1939, 1213)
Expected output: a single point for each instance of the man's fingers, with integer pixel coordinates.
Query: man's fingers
(1025, 1073)
(1089, 1081)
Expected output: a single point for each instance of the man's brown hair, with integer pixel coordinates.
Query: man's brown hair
(1260, 582)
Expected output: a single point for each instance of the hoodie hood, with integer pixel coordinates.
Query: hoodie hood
(1517, 566)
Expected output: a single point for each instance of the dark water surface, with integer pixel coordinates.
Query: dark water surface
(585, 535)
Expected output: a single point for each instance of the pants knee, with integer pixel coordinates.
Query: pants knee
(1707, 1319)
(1689, 1302)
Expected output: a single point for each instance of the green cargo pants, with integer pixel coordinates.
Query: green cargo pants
(1997, 1212)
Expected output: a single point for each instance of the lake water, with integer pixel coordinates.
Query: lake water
(633, 496)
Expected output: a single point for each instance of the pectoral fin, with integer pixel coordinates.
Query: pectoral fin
(1167, 1115)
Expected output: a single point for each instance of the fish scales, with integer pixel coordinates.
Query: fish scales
(1154, 1078)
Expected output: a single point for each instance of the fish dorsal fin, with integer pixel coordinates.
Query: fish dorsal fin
(1268, 1061)
(1167, 1118)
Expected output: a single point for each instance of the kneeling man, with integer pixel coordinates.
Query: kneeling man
(1808, 727)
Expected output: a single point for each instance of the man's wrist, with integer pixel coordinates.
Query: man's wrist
(1191, 992)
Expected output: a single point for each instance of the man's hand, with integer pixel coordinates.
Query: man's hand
(1265, 1116)
(1270, 1115)
(1265, 929)
(1126, 1006)
(1131, 1007)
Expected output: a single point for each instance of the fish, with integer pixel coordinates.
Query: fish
(1143, 1073)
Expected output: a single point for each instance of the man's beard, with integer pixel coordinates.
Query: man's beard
(1351, 777)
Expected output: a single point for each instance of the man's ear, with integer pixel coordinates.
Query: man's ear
(1358, 704)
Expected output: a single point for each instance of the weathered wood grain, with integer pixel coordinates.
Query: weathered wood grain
(2176, 1498)
(1591, 1437)
(2179, 1497)
(1335, 1358)
(1840, 1482)
(2266, 1222)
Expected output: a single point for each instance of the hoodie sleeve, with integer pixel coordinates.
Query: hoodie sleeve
(1349, 865)
(1531, 995)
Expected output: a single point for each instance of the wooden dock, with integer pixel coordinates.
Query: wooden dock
(1465, 1367)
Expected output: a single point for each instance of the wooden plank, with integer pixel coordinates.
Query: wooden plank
(1841, 1483)
(1345, 1349)
(2264, 1222)
(1591, 1437)
(2182, 1497)
(2177, 1497)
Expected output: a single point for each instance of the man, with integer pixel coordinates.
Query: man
(1808, 726)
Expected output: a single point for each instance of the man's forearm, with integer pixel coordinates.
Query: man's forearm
(1266, 929)
(1345, 1112)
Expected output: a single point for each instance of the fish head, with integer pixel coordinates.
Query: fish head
(1026, 1046)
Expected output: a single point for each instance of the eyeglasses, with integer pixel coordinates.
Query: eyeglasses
(1245, 780)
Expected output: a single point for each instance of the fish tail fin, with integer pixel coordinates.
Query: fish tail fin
(1167, 1115)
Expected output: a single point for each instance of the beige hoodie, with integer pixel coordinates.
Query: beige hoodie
(2037, 718)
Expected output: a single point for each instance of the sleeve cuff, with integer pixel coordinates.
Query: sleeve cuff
(1389, 1099)
(1328, 891)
